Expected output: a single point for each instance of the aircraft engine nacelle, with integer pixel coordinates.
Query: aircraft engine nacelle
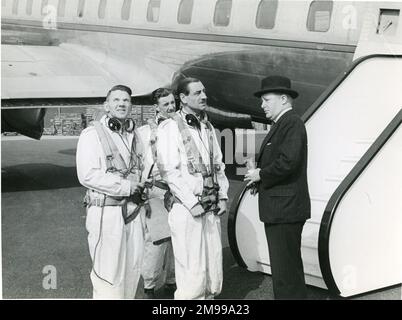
(29, 122)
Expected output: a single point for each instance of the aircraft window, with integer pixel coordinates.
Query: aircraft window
(185, 11)
(43, 6)
(61, 8)
(28, 8)
(223, 9)
(15, 7)
(388, 21)
(153, 10)
(80, 9)
(102, 9)
(319, 16)
(125, 10)
(266, 14)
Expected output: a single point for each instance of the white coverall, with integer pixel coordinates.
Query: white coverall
(157, 258)
(196, 240)
(116, 249)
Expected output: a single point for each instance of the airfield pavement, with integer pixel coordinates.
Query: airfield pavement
(43, 224)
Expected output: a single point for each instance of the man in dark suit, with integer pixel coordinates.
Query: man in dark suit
(281, 180)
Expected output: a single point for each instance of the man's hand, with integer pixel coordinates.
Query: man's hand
(223, 204)
(252, 176)
(135, 184)
(197, 210)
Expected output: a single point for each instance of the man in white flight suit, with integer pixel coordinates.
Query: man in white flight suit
(115, 242)
(158, 263)
(189, 170)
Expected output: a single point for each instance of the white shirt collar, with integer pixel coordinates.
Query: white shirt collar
(281, 114)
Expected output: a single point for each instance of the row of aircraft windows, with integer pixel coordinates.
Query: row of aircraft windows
(318, 19)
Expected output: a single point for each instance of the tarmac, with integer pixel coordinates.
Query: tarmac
(43, 228)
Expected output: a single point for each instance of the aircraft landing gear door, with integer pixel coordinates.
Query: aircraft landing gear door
(388, 21)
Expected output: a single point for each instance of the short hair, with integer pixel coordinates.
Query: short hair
(160, 93)
(182, 86)
(290, 99)
(119, 87)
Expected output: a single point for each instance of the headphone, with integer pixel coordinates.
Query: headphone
(116, 125)
(194, 122)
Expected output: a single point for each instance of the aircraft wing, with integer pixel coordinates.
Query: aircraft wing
(50, 72)
(36, 77)
(39, 77)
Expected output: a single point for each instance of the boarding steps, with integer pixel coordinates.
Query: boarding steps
(318, 203)
(333, 155)
(351, 162)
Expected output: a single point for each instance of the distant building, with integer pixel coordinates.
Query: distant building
(67, 124)
(72, 123)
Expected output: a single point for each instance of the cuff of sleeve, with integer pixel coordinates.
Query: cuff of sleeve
(126, 188)
(223, 196)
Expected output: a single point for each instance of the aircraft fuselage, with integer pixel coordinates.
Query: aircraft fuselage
(127, 44)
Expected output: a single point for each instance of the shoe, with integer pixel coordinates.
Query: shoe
(170, 288)
(149, 293)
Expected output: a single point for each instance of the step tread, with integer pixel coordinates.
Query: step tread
(311, 269)
(364, 141)
(334, 177)
(313, 222)
(320, 197)
(350, 159)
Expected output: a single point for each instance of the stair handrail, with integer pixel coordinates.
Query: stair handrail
(337, 197)
(337, 82)
(305, 117)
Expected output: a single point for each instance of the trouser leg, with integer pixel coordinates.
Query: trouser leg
(105, 240)
(189, 252)
(213, 255)
(169, 263)
(135, 249)
(153, 262)
(115, 250)
(284, 243)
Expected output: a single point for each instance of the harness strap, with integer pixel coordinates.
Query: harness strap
(105, 202)
(161, 185)
(194, 158)
(211, 150)
(152, 139)
(114, 160)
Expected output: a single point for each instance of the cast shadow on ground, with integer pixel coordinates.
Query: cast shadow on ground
(38, 176)
(238, 282)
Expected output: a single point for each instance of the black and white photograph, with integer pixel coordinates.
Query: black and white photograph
(227, 150)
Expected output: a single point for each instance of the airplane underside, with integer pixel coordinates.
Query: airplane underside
(48, 64)
(232, 77)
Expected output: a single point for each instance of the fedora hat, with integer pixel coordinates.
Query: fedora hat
(276, 84)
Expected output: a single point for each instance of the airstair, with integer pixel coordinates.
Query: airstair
(353, 242)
